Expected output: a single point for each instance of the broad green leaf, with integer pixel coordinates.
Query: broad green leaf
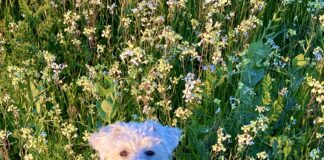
(299, 61)
(101, 113)
(109, 81)
(104, 92)
(244, 96)
(252, 76)
(106, 107)
(258, 52)
(33, 89)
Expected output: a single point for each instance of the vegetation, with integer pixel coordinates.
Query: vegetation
(243, 79)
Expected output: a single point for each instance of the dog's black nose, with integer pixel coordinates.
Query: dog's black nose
(149, 153)
(123, 153)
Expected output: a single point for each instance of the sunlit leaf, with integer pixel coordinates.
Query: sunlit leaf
(106, 107)
(299, 61)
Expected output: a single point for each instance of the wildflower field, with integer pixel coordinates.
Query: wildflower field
(242, 79)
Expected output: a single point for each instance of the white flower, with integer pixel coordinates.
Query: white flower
(191, 93)
(2, 134)
(28, 157)
(182, 113)
(314, 154)
(262, 155)
(261, 109)
(106, 32)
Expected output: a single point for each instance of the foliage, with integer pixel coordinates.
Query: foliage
(242, 79)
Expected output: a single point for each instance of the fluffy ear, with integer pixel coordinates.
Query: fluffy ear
(100, 139)
(172, 137)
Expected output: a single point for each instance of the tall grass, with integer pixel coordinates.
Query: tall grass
(241, 79)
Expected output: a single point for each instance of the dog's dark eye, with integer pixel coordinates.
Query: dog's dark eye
(123, 153)
(149, 153)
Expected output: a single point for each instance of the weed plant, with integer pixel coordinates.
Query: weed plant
(243, 79)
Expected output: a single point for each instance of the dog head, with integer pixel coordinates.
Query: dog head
(148, 140)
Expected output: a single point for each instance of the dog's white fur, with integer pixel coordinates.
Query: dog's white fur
(134, 140)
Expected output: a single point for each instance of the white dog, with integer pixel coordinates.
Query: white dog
(148, 140)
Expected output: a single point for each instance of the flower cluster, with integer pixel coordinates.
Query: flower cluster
(31, 141)
(134, 54)
(51, 68)
(55, 114)
(314, 154)
(163, 68)
(182, 114)
(198, 64)
(248, 25)
(17, 75)
(176, 3)
(262, 155)
(317, 89)
(106, 33)
(88, 31)
(273, 45)
(70, 20)
(170, 36)
(145, 8)
(194, 23)
(320, 121)
(261, 109)
(69, 130)
(2, 43)
(192, 90)
(251, 130)
(14, 109)
(221, 138)
(3, 135)
(212, 33)
(114, 71)
(215, 6)
(315, 6)
(87, 85)
(257, 5)
(318, 52)
(187, 50)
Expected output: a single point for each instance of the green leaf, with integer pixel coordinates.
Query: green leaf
(252, 76)
(104, 92)
(244, 96)
(274, 145)
(106, 107)
(33, 89)
(101, 113)
(35, 93)
(25, 8)
(254, 69)
(38, 107)
(299, 61)
(258, 52)
(287, 149)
